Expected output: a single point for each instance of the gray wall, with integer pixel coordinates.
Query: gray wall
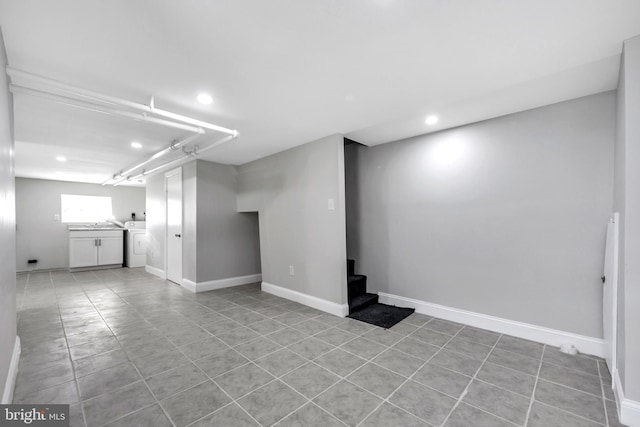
(290, 192)
(7, 227)
(190, 234)
(218, 242)
(228, 241)
(41, 237)
(511, 223)
(627, 203)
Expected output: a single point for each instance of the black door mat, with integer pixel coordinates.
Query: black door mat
(382, 315)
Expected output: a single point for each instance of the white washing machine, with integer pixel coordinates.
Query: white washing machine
(135, 243)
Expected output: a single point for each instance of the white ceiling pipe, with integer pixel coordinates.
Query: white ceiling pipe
(84, 105)
(12, 72)
(122, 175)
(61, 99)
(181, 160)
(175, 162)
(195, 122)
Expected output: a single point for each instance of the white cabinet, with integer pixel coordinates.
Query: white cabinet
(110, 250)
(95, 248)
(83, 252)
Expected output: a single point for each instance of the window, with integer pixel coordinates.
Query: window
(75, 208)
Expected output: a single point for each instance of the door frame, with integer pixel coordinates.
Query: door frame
(167, 175)
(613, 281)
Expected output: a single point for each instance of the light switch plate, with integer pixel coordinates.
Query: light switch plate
(332, 205)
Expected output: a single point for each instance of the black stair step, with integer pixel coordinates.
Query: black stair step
(351, 267)
(362, 301)
(356, 286)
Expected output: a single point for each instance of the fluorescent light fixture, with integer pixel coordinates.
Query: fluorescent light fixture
(61, 158)
(431, 120)
(205, 99)
(136, 144)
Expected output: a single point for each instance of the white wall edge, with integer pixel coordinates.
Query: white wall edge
(628, 410)
(227, 283)
(12, 374)
(155, 271)
(318, 303)
(554, 337)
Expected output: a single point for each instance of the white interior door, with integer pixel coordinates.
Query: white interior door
(610, 293)
(173, 182)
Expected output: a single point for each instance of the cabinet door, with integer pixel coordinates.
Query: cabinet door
(83, 252)
(110, 250)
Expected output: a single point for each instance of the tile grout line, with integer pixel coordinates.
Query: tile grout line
(535, 387)
(429, 360)
(542, 361)
(276, 378)
(604, 399)
(307, 361)
(73, 369)
(156, 401)
(564, 411)
(233, 401)
(132, 363)
(138, 370)
(465, 391)
(410, 377)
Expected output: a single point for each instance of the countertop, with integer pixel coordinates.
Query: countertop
(94, 228)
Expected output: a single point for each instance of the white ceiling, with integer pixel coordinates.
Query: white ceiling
(286, 72)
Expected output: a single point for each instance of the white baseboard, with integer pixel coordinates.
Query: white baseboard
(189, 285)
(318, 303)
(554, 337)
(222, 283)
(12, 374)
(155, 271)
(628, 410)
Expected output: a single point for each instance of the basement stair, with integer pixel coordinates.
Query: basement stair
(365, 307)
(357, 295)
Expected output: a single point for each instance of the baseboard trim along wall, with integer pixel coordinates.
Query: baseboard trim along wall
(222, 283)
(554, 337)
(628, 410)
(12, 374)
(155, 271)
(189, 285)
(318, 303)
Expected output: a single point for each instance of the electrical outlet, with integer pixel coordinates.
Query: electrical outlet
(56, 217)
(292, 272)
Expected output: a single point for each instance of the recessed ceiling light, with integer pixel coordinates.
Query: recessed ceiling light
(136, 144)
(205, 99)
(431, 120)
(61, 158)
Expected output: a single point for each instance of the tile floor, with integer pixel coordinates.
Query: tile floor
(127, 349)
